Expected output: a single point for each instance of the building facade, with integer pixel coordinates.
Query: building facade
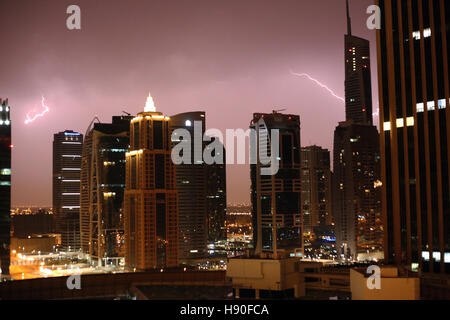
(276, 213)
(151, 214)
(102, 190)
(5, 185)
(67, 150)
(414, 93)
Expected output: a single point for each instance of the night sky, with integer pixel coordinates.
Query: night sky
(229, 58)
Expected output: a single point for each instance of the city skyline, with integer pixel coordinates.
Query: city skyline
(251, 76)
(285, 150)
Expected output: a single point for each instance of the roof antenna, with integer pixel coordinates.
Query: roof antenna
(349, 21)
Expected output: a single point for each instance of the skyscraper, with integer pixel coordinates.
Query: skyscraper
(151, 214)
(67, 149)
(358, 85)
(5, 185)
(316, 188)
(216, 202)
(356, 199)
(414, 92)
(201, 192)
(102, 190)
(192, 190)
(275, 198)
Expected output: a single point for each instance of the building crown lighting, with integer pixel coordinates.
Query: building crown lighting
(150, 104)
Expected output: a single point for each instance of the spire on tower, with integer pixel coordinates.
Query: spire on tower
(349, 21)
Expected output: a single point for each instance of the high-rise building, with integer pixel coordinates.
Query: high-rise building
(67, 149)
(316, 188)
(102, 190)
(358, 84)
(151, 214)
(201, 192)
(216, 201)
(356, 198)
(192, 190)
(414, 93)
(276, 213)
(5, 185)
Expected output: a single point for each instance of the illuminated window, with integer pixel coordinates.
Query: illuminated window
(410, 121)
(399, 123)
(5, 172)
(419, 107)
(387, 126)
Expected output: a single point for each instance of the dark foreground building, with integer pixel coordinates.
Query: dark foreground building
(67, 148)
(102, 190)
(414, 91)
(5, 185)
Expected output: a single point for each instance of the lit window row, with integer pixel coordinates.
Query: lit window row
(6, 122)
(436, 256)
(431, 106)
(109, 194)
(399, 123)
(426, 34)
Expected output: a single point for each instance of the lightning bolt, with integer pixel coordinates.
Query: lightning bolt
(320, 84)
(375, 114)
(36, 114)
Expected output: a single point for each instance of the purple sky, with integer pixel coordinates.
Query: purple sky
(229, 58)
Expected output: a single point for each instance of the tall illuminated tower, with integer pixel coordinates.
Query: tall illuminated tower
(356, 165)
(151, 218)
(5, 185)
(358, 84)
